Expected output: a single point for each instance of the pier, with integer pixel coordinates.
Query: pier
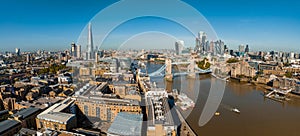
(278, 95)
(283, 92)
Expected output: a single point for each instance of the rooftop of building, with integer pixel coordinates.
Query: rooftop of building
(25, 113)
(122, 82)
(59, 117)
(146, 83)
(87, 89)
(26, 132)
(7, 125)
(159, 111)
(126, 124)
(100, 99)
(54, 113)
(4, 112)
(93, 93)
(40, 103)
(58, 107)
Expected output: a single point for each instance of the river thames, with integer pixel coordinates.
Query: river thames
(259, 115)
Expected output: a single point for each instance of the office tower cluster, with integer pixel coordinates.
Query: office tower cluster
(243, 49)
(201, 42)
(203, 45)
(75, 50)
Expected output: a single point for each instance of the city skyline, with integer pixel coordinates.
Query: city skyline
(263, 27)
(149, 67)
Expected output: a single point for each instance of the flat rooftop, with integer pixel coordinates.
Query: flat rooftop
(7, 125)
(126, 124)
(54, 113)
(59, 117)
(88, 89)
(24, 113)
(99, 99)
(40, 103)
(4, 112)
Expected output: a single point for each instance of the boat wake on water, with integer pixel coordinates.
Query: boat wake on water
(230, 108)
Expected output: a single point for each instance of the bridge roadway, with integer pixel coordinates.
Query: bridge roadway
(160, 71)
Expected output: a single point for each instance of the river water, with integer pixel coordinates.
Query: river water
(259, 115)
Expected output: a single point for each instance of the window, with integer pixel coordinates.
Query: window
(86, 110)
(41, 124)
(55, 126)
(108, 115)
(98, 112)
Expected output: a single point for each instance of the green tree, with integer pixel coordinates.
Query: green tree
(289, 74)
(287, 64)
(204, 64)
(232, 60)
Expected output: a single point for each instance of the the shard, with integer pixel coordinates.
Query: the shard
(90, 46)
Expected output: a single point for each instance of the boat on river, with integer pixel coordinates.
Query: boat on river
(236, 110)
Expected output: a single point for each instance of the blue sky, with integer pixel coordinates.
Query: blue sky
(54, 24)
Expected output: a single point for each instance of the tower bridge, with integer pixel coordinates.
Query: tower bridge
(166, 69)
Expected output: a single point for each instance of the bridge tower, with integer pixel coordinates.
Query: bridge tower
(168, 75)
(191, 68)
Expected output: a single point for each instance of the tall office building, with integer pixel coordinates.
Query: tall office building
(201, 42)
(212, 47)
(280, 54)
(18, 51)
(202, 36)
(197, 47)
(241, 48)
(90, 47)
(247, 48)
(231, 52)
(219, 47)
(101, 53)
(73, 50)
(28, 58)
(78, 50)
(291, 55)
(206, 46)
(179, 45)
(222, 47)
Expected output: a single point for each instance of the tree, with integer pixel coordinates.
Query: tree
(260, 72)
(255, 77)
(204, 64)
(289, 74)
(287, 64)
(232, 60)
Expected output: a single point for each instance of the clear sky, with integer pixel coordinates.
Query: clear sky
(54, 24)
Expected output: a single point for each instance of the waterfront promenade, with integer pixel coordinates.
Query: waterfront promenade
(185, 129)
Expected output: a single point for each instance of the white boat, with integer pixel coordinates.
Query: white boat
(235, 110)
